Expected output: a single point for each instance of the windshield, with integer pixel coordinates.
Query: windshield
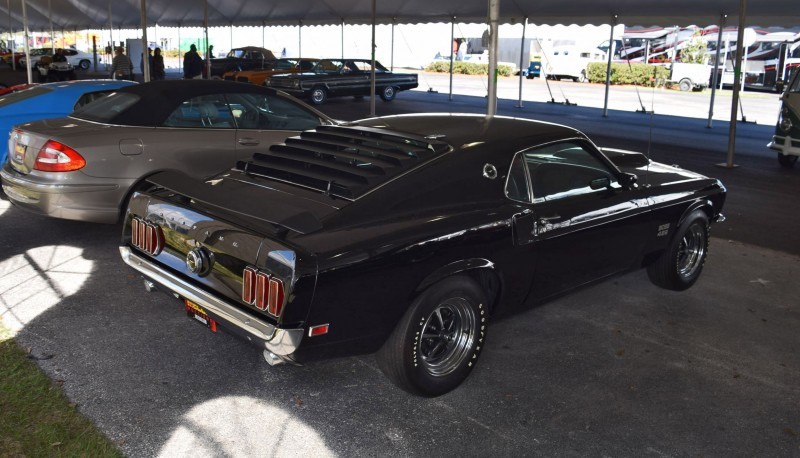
(106, 109)
(14, 97)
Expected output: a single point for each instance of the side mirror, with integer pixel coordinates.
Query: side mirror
(600, 183)
(628, 180)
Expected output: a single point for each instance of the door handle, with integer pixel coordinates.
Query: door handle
(249, 141)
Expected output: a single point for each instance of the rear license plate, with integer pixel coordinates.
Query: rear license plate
(196, 312)
(19, 152)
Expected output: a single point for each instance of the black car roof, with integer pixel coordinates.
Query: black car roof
(157, 99)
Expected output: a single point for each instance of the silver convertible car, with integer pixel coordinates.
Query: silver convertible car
(85, 166)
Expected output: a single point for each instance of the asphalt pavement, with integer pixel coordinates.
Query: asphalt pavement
(618, 369)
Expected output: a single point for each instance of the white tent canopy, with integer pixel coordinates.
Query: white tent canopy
(92, 14)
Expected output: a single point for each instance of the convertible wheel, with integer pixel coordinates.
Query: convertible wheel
(318, 95)
(388, 94)
(84, 64)
(786, 160)
(438, 341)
(680, 265)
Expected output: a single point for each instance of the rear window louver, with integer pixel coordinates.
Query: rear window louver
(341, 161)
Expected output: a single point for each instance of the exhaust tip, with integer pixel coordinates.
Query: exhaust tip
(273, 359)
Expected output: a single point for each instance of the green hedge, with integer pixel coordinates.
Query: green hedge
(468, 68)
(639, 74)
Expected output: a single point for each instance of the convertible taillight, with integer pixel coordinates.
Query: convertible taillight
(262, 290)
(58, 157)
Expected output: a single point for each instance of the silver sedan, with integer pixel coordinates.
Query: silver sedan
(85, 166)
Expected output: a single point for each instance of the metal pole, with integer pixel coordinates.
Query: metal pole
(342, 35)
(27, 46)
(521, 60)
(608, 67)
(391, 61)
(716, 68)
(494, 23)
(205, 36)
(13, 61)
(372, 75)
(263, 39)
(299, 38)
(737, 72)
(145, 44)
(452, 52)
(52, 32)
(180, 61)
(111, 27)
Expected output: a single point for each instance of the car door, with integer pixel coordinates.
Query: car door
(580, 223)
(265, 119)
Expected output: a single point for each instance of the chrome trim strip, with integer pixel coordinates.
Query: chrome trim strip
(49, 188)
(282, 342)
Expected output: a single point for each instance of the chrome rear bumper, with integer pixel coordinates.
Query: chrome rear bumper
(281, 343)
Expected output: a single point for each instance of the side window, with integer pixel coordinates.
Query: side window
(262, 112)
(517, 183)
(204, 112)
(566, 169)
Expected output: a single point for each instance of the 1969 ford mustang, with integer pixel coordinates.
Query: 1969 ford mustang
(404, 235)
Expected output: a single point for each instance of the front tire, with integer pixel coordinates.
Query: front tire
(388, 93)
(685, 85)
(786, 161)
(680, 265)
(437, 342)
(84, 64)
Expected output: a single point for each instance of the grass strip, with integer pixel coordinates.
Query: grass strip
(36, 418)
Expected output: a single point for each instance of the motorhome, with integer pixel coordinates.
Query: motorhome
(786, 140)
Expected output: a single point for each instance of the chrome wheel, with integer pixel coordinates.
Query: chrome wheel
(447, 336)
(318, 95)
(691, 250)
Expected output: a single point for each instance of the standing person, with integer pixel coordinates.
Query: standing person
(121, 66)
(157, 66)
(192, 64)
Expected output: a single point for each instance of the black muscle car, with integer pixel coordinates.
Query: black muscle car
(238, 59)
(404, 235)
(343, 77)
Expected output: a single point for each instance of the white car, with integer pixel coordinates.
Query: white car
(79, 59)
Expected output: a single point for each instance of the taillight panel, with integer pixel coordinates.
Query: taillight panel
(146, 236)
(58, 157)
(262, 290)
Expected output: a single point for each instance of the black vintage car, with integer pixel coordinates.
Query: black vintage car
(404, 235)
(238, 59)
(786, 140)
(343, 77)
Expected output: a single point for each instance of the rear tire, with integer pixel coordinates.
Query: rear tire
(680, 265)
(318, 95)
(685, 85)
(786, 161)
(388, 93)
(437, 342)
(84, 64)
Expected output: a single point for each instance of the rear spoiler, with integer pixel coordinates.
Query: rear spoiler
(239, 202)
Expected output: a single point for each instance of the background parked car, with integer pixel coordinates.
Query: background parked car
(343, 77)
(238, 59)
(284, 65)
(77, 59)
(84, 166)
(404, 234)
(52, 100)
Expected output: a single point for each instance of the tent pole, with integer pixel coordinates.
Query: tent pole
(52, 32)
(391, 61)
(111, 27)
(452, 52)
(263, 30)
(716, 68)
(494, 22)
(737, 84)
(13, 61)
(372, 72)
(299, 39)
(608, 67)
(342, 35)
(180, 61)
(145, 44)
(521, 60)
(205, 37)
(27, 46)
